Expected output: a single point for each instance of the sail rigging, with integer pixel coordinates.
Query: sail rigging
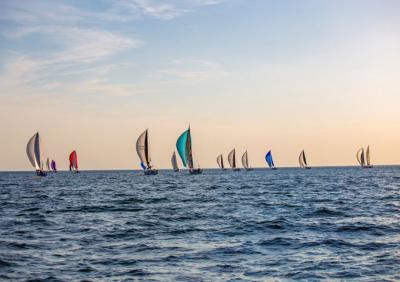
(232, 158)
(269, 160)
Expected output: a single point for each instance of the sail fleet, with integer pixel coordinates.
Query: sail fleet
(184, 147)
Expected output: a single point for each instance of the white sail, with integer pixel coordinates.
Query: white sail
(368, 157)
(359, 157)
(174, 162)
(245, 160)
(220, 161)
(142, 149)
(33, 151)
(302, 160)
(232, 158)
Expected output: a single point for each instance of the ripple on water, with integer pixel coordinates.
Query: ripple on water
(289, 224)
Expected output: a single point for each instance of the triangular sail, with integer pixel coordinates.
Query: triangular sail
(368, 157)
(142, 149)
(174, 162)
(303, 160)
(270, 161)
(48, 164)
(245, 160)
(33, 151)
(220, 161)
(232, 158)
(358, 156)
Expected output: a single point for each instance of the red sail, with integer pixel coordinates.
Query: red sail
(73, 161)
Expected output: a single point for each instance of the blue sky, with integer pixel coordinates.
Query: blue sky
(253, 74)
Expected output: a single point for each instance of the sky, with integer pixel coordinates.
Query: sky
(254, 75)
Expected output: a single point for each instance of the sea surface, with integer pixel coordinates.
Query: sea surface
(289, 224)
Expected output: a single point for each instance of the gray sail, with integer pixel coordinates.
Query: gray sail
(232, 158)
(220, 161)
(33, 151)
(174, 162)
(368, 157)
(245, 160)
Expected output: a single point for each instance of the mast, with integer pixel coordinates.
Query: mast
(189, 153)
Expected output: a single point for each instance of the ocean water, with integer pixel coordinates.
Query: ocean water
(288, 224)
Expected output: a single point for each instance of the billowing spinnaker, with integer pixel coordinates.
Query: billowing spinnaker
(33, 151)
(73, 161)
(181, 146)
(268, 158)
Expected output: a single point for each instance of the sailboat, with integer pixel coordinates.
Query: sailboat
(34, 154)
(303, 160)
(73, 162)
(48, 164)
(364, 159)
(269, 160)
(53, 165)
(184, 147)
(232, 160)
(220, 162)
(174, 162)
(245, 161)
(142, 149)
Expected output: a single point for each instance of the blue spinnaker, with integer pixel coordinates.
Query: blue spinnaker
(181, 146)
(268, 158)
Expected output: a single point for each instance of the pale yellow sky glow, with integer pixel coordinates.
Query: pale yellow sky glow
(326, 85)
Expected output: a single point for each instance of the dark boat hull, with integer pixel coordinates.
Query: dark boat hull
(151, 172)
(196, 171)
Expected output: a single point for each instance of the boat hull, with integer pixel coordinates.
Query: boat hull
(151, 172)
(40, 173)
(196, 171)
